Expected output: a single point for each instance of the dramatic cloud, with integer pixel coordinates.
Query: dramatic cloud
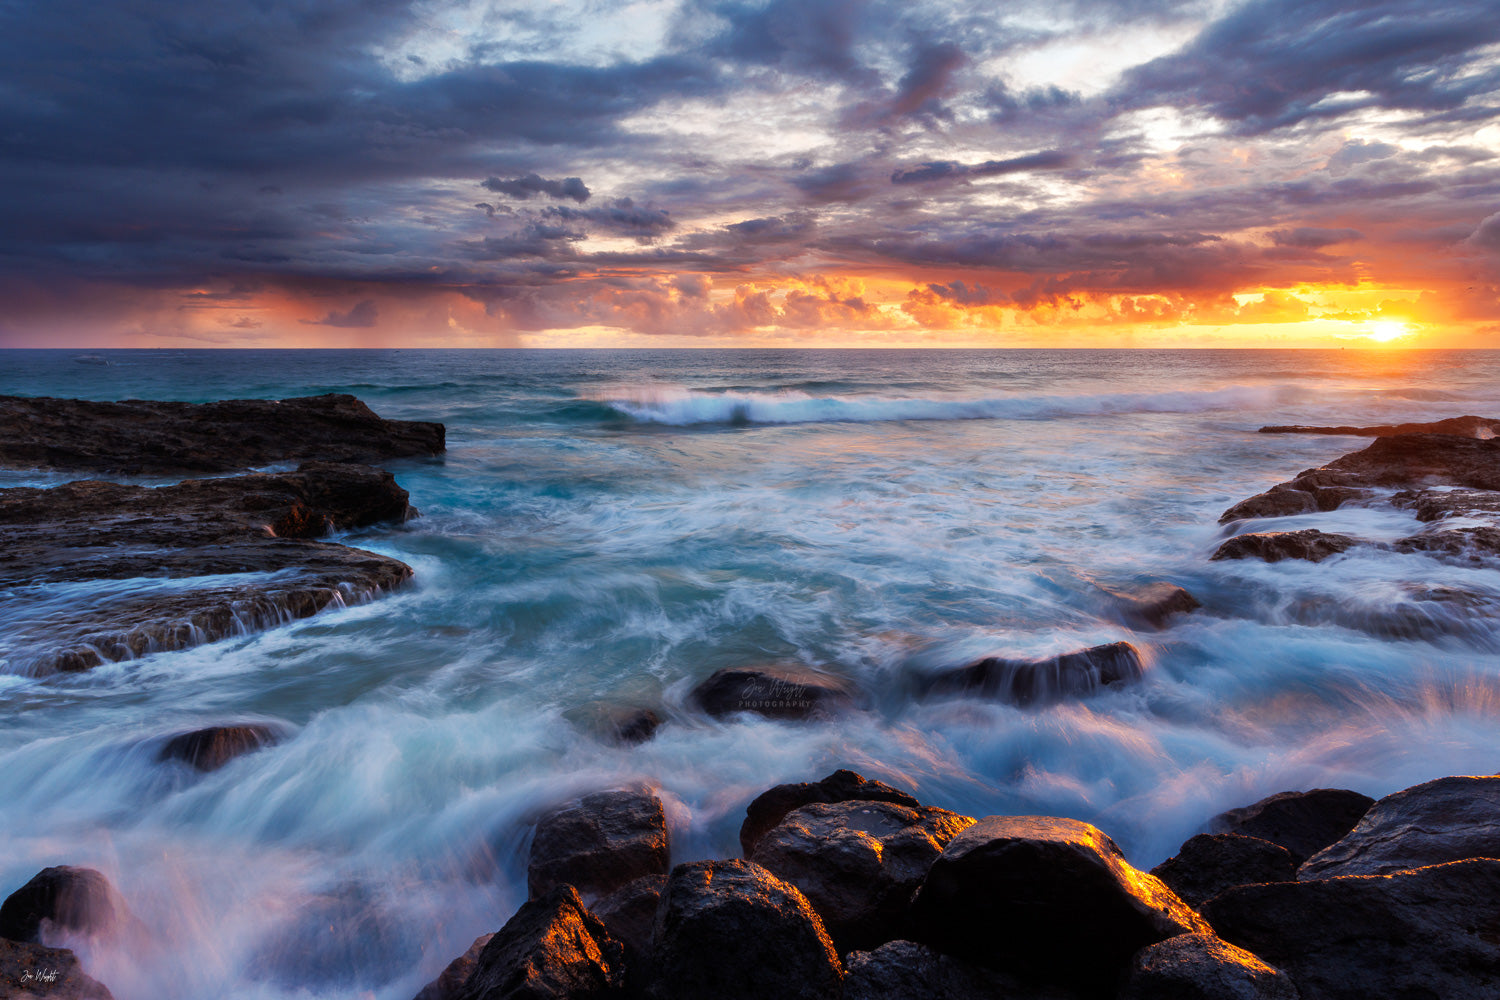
(525, 187)
(361, 316)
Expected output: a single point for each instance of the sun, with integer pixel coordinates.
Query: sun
(1386, 330)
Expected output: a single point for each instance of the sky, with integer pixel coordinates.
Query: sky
(790, 173)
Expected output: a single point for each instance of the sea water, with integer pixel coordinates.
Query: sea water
(612, 526)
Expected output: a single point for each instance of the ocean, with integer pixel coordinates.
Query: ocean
(613, 526)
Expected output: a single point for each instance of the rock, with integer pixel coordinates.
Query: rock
(1151, 605)
(1201, 967)
(1449, 819)
(777, 692)
(457, 972)
(1427, 933)
(598, 845)
(1274, 546)
(1211, 862)
(1475, 427)
(1278, 501)
(733, 931)
(1052, 900)
(1440, 504)
(553, 948)
(33, 972)
(1302, 822)
(858, 863)
(210, 749)
(622, 725)
(89, 532)
(1026, 682)
(143, 437)
(768, 809)
(67, 898)
(905, 970)
(629, 914)
(342, 937)
(1476, 546)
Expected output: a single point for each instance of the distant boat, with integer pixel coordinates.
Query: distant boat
(90, 359)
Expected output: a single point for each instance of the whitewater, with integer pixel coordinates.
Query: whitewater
(610, 527)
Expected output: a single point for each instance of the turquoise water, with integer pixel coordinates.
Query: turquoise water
(614, 526)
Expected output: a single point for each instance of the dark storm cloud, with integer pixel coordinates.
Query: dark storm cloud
(813, 37)
(621, 217)
(948, 170)
(361, 315)
(531, 184)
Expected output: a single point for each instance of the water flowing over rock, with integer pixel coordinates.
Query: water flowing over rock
(1273, 546)
(1469, 426)
(606, 840)
(768, 808)
(65, 898)
(1151, 605)
(344, 935)
(34, 972)
(621, 725)
(1050, 899)
(1209, 863)
(733, 931)
(1028, 682)
(553, 948)
(1202, 967)
(777, 692)
(451, 980)
(858, 863)
(1449, 819)
(146, 437)
(1426, 933)
(1302, 822)
(906, 970)
(210, 749)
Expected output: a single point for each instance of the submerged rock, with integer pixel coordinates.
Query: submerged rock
(906, 970)
(210, 749)
(1209, 863)
(149, 437)
(768, 809)
(66, 898)
(1151, 605)
(1052, 900)
(622, 725)
(1202, 967)
(1302, 822)
(858, 863)
(1025, 682)
(599, 844)
(451, 980)
(30, 971)
(733, 931)
(1449, 819)
(553, 948)
(777, 692)
(1274, 546)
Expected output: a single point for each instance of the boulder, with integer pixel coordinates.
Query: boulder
(858, 863)
(1209, 863)
(905, 970)
(1201, 967)
(80, 900)
(1026, 682)
(599, 844)
(34, 972)
(1426, 933)
(1302, 822)
(622, 725)
(553, 948)
(1475, 545)
(777, 692)
(629, 914)
(1274, 546)
(1052, 900)
(733, 931)
(1150, 605)
(768, 809)
(448, 983)
(1449, 819)
(210, 749)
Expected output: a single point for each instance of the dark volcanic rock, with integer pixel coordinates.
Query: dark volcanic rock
(1473, 545)
(256, 524)
(629, 914)
(858, 863)
(622, 725)
(733, 931)
(1475, 427)
(1052, 900)
(1274, 546)
(1151, 605)
(30, 970)
(162, 438)
(905, 970)
(210, 749)
(1201, 967)
(778, 692)
(1302, 822)
(1430, 933)
(1449, 819)
(455, 974)
(67, 898)
(1211, 862)
(600, 844)
(552, 949)
(768, 809)
(1025, 682)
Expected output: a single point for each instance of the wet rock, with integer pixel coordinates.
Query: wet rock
(448, 983)
(210, 749)
(1151, 605)
(30, 971)
(1475, 427)
(1027, 682)
(1426, 933)
(165, 438)
(1052, 900)
(777, 692)
(1274, 546)
(63, 898)
(622, 725)
(598, 845)
(905, 970)
(1476, 545)
(553, 948)
(733, 931)
(1275, 502)
(771, 806)
(94, 532)
(629, 914)
(1442, 503)
(1302, 822)
(1449, 819)
(1202, 967)
(858, 863)
(344, 936)
(1209, 863)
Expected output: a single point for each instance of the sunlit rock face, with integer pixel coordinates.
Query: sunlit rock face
(1202, 967)
(1302, 822)
(553, 948)
(768, 808)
